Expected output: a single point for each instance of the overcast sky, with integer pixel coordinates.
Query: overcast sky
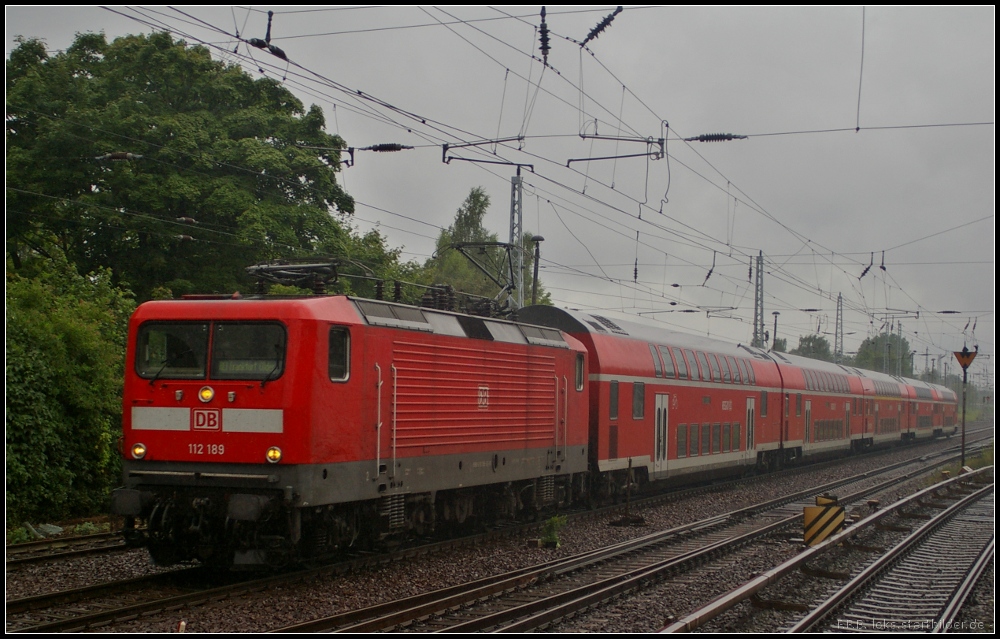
(820, 200)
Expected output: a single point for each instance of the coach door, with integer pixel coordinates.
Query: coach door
(751, 410)
(847, 422)
(660, 439)
(808, 431)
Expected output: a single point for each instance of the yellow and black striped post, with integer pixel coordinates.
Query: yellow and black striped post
(822, 520)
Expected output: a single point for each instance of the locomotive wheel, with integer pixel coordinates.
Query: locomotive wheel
(163, 553)
(462, 509)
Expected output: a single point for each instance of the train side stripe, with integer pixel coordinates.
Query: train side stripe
(234, 420)
(252, 420)
(148, 418)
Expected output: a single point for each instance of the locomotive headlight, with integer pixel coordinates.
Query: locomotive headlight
(206, 394)
(138, 450)
(273, 454)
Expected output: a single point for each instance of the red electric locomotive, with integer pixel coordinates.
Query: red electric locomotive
(258, 431)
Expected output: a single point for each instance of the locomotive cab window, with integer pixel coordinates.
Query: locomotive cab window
(172, 350)
(340, 354)
(248, 350)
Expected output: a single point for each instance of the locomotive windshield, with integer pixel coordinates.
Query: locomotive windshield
(176, 351)
(239, 350)
(248, 350)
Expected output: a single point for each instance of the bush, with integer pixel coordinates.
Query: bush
(551, 528)
(65, 351)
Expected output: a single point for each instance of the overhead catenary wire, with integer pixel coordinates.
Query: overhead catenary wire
(713, 249)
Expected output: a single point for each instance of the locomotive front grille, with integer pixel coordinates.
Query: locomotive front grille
(191, 476)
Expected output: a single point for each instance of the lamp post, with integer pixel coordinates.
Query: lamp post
(537, 239)
(775, 342)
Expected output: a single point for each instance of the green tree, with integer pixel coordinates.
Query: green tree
(449, 266)
(65, 350)
(885, 352)
(780, 344)
(241, 157)
(813, 346)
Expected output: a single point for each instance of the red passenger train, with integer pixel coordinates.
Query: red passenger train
(672, 405)
(263, 431)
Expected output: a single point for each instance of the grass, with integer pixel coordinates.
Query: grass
(977, 460)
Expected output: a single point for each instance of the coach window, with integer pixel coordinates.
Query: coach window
(726, 376)
(693, 366)
(693, 440)
(682, 440)
(613, 401)
(707, 373)
(668, 364)
(733, 366)
(340, 354)
(638, 400)
(763, 403)
(714, 365)
(739, 373)
(706, 438)
(579, 371)
(656, 361)
(798, 405)
(682, 371)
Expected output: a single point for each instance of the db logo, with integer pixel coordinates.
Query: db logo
(484, 397)
(206, 418)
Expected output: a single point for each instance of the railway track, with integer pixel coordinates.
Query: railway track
(942, 560)
(63, 548)
(103, 605)
(534, 598)
(959, 511)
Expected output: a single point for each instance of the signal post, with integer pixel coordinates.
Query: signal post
(965, 357)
